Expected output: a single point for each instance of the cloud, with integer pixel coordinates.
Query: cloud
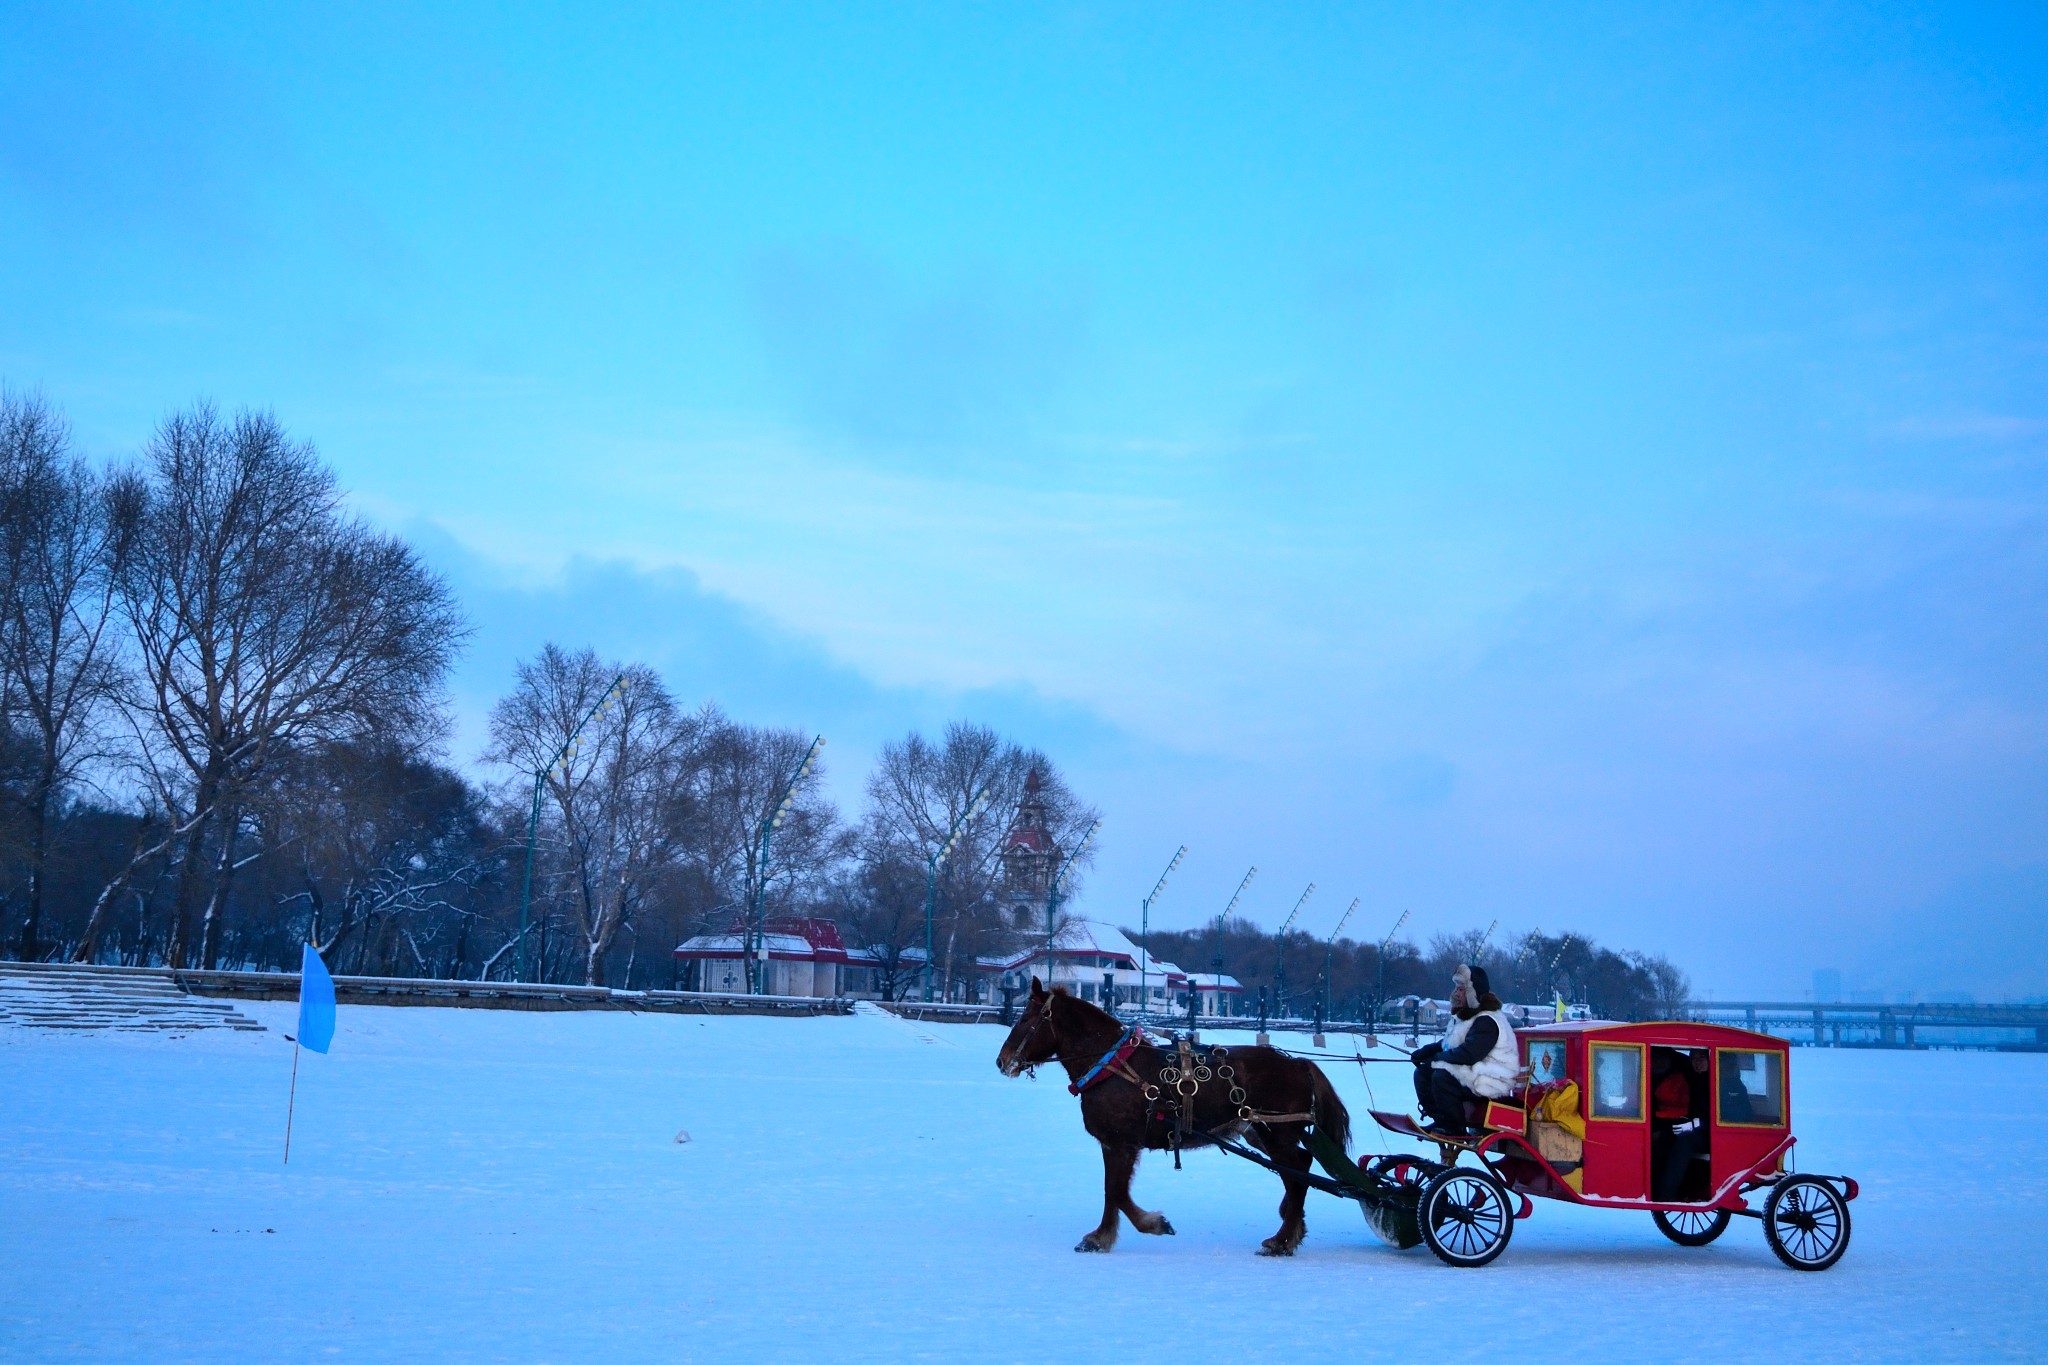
(906, 367)
(712, 648)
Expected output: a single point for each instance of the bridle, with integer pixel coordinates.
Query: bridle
(1044, 1021)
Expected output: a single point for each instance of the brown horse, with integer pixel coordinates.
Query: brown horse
(1129, 1107)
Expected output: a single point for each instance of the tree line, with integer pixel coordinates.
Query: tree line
(1348, 979)
(224, 732)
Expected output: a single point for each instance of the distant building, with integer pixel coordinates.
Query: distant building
(805, 956)
(1100, 964)
(1096, 962)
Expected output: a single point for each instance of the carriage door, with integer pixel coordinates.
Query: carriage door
(1617, 1122)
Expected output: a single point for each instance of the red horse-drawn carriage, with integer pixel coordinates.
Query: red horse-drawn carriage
(1586, 1127)
(1686, 1122)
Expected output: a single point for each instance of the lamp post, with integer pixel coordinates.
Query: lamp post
(1145, 930)
(1222, 920)
(1329, 950)
(931, 878)
(756, 938)
(559, 763)
(1550, 976)
(1379, 992)
(1280, 990)
(1055, 890)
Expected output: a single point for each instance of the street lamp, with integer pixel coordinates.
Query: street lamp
(931, 877)
(1550, 976)
(1145, 929)
(558, 764)
(1222, 920)
(1329, 949)
(1379, 993)
(756, 938)
(1281, 989)
(1053, 892)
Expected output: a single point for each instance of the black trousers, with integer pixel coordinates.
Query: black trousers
(1441, 1096)
(1678, 1159)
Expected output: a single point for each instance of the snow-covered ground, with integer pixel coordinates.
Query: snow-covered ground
(486, 1185)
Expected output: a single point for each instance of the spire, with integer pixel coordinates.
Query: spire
(1029, 851)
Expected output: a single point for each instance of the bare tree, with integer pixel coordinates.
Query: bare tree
(264, 619)
(918, 793)
(612, 755)
(882, 909)
(57, 576)
(742, 772)
(385, 847)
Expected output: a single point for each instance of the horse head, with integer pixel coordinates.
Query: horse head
(1035, 1037)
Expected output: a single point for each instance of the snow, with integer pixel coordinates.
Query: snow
(496, 1185)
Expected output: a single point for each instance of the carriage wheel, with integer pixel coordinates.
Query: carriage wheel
(1465, 1216)
(1806, 1221)
(1692, 1227)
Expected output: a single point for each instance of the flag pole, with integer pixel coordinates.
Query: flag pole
(291, 1103)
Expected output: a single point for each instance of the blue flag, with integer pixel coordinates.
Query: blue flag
(316, 1002)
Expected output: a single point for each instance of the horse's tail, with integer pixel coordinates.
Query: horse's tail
(1333, 1120)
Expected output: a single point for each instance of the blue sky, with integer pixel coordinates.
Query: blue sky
(1588, 469)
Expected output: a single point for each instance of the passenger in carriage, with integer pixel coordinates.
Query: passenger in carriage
(1677, 1108)
(1476, 1061)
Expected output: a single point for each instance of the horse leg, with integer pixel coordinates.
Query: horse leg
(1118, 1162)
(1291, 1154)
(1141, 1219)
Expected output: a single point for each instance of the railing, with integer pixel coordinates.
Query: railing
(936, 1013)
(1842, 1024)
(513, 995)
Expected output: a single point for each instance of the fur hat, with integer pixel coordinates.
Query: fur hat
(1479, 996)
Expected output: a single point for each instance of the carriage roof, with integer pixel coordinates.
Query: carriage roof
(1662, 1033)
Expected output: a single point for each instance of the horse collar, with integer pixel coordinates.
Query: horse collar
(1112, 1060)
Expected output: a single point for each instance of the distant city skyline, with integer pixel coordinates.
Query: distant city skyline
(1587, 469)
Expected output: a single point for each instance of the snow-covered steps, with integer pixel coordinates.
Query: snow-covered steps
(64, 996)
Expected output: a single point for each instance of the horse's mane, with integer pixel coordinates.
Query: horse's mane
(1089, 1014)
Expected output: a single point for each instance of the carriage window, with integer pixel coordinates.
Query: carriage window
(1546, 1062)
(1752, 1087)
(1617, 1081)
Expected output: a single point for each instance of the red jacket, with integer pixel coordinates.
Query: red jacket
(1673, 1097)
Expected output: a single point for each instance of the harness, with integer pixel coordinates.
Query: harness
(1115, 1060)
(1171, 1099)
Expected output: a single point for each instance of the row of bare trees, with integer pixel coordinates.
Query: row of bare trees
(184, 629)
(1349, 979)
(222, 733)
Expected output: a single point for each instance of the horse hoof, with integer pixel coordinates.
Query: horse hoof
(1089, 1244)
(1268, 1249)
(1166, 1229)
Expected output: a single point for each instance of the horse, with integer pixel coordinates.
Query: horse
(1128, 1107)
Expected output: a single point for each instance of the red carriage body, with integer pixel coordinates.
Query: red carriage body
(1584, 1129)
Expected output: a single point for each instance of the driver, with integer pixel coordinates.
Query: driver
(1477, 1059)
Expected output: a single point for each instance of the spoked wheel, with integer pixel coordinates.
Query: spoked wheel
(1692, 1227)
(1806, 1221)
(1465, 1216)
